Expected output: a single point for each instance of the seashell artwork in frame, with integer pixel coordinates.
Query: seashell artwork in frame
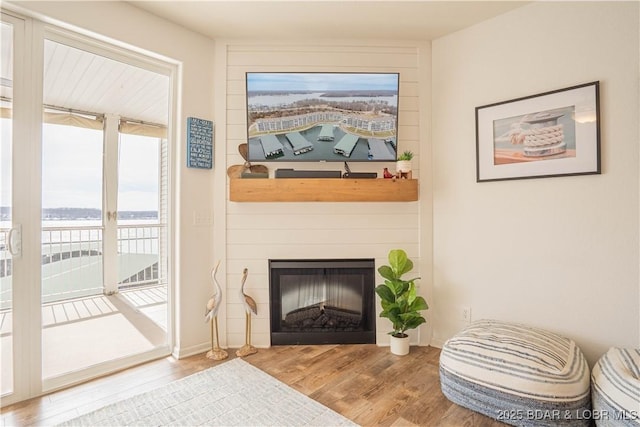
(550, 134)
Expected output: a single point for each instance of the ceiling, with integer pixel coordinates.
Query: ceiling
(329, 19)
(80, 80)
(85, 82)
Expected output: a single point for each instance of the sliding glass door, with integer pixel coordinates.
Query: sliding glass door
(84, 218)
(104, 292)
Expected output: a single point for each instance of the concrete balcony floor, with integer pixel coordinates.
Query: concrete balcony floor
(82, 332)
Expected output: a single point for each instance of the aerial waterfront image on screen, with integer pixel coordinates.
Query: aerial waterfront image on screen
(322, 116)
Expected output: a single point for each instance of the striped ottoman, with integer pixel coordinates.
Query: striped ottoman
(615, 388)
(516, 374)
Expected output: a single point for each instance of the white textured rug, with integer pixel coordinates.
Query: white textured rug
(233, 393)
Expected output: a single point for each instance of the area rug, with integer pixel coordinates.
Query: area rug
(234, 393)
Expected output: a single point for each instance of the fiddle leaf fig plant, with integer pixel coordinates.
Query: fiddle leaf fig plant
(398, 297)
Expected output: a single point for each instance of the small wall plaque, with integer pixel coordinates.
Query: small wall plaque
(199, 143)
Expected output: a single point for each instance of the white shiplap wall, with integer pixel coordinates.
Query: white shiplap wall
(257, 232)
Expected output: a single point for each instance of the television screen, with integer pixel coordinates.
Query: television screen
(331, 117)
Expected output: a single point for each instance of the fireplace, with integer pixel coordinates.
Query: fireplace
(322, 301)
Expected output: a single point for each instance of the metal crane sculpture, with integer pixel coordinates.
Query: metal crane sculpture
(211, 316)
(249, 307)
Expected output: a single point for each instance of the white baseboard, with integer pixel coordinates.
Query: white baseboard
(182, 352)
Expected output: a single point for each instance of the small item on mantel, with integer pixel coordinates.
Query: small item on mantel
(247, 170)
(387, 174)
(250, 174)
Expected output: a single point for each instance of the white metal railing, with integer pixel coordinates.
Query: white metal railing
(142, 244)
(72, 260)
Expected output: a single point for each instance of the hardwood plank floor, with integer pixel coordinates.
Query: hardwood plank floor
(365, 383)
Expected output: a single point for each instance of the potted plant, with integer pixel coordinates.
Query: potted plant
(403, 163)
(400, 303)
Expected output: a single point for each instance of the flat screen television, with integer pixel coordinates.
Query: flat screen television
(322, 117)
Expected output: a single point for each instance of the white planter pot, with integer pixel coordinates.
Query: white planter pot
(399, 346)
(403, 166)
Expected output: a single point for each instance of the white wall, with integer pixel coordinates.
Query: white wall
(194, 188)
(257, 232)
(560, 253)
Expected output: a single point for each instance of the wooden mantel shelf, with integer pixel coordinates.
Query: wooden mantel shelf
(322, 190)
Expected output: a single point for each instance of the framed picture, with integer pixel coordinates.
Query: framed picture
(550, 134)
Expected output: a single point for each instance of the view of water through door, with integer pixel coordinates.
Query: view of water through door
(142, 226)
(84, 217)
(104, 286)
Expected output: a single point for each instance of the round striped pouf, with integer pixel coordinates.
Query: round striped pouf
(517, 374)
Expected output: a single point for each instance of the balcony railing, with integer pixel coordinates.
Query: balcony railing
(142, 244)
(72, 260)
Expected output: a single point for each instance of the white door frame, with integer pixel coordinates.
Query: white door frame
(26, 206)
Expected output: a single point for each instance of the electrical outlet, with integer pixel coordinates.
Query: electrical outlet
(466, 314)
(202, 219)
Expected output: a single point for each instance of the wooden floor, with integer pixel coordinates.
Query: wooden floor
(365, 383)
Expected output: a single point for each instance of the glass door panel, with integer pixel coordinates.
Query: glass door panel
(6, 186)
(141, 229)
(104, 297)
(72, 285)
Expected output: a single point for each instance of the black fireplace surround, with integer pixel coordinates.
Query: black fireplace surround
(322, 301)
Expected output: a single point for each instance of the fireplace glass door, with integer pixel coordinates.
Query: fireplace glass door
(322, 301)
